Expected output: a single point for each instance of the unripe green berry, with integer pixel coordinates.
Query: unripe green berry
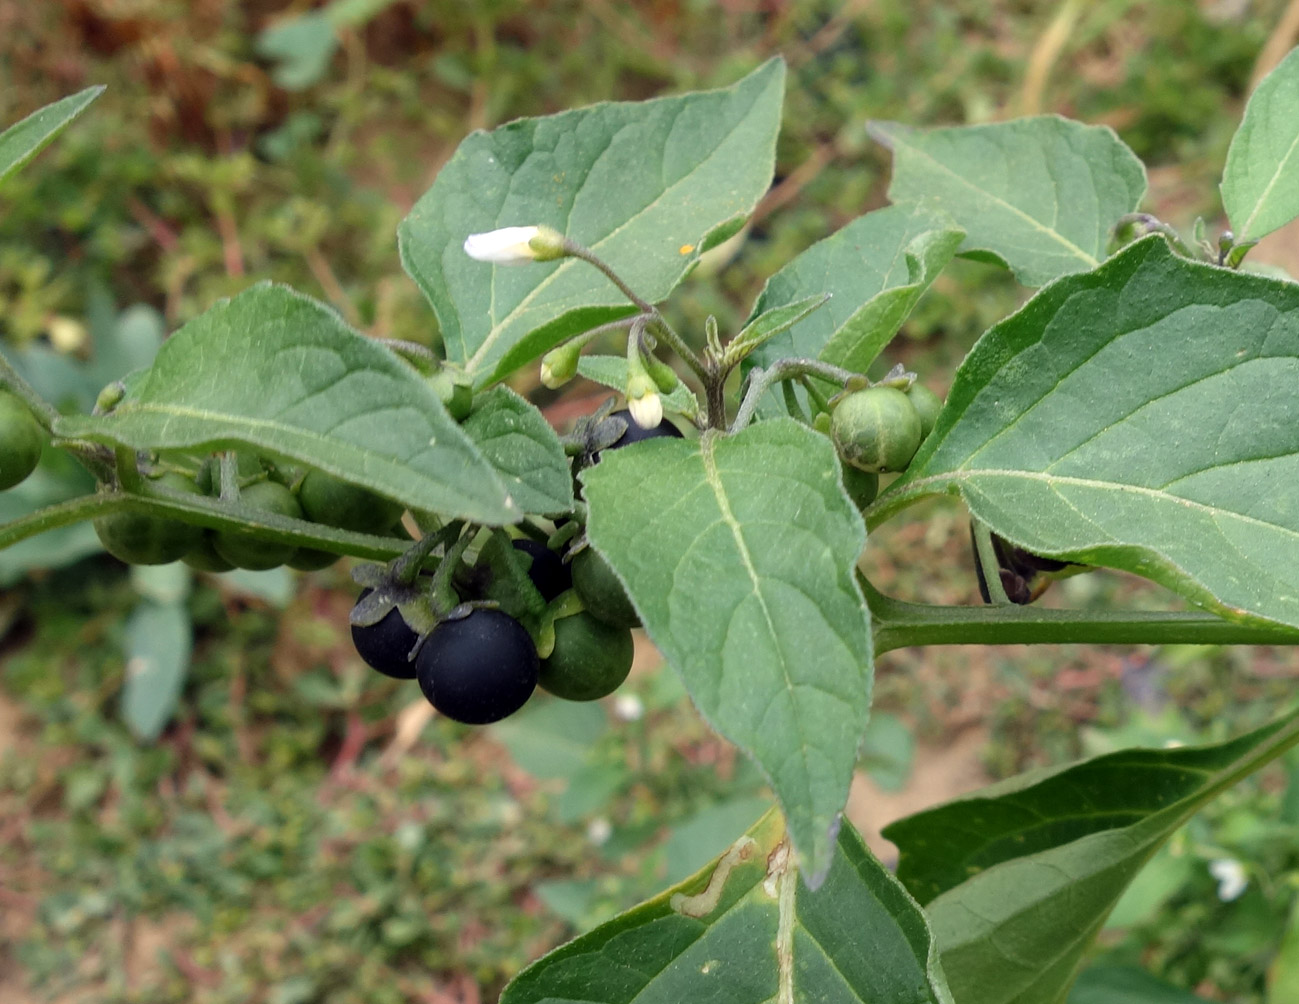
(862, 486)
(590, 660)
(876, 430)
(21, 438)
(141, 539)
(927, 405)
(601, 592)
(244, 549)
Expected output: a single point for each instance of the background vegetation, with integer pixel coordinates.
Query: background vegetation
(301, 832)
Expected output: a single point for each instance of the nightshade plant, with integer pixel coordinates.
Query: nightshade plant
(1140, 412)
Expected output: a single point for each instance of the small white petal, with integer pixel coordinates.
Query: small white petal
(647, 411)
(1231, 877)
(599, 830)
(507, 246)
(628, 707)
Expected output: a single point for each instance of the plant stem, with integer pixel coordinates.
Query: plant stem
(576, 250)
(988, 560)
(44, 412)
(760, 382)
(900, 624)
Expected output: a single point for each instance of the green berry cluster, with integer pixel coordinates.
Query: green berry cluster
(878, 431)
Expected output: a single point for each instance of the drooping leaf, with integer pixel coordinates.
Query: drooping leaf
(1142, 417)
(1260, 184)
(745, 931)
(1039, 194)
(158, 643)
(738, 553)
(875, 269)
(524, 449)
(279, 372)
(1113, 984)
(645, 185)
(611, 371)
(1018, 879)
(24, 140)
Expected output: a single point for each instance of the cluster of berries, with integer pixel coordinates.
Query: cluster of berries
(479, 664)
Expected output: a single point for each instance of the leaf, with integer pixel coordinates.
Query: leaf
(158, 642)
(1039, 194)
(302, 46)
(1017, 879)
(552, 739)
(1142, 417)
(738, 553)
(277, 371)
(1113, 984)
(875, 269)
(1260, 184)
(611, 371)
(524, 449)
(1283, 974)
(24, 140)
(887, 751)
(746, 930)
(642, 184)
(274, 587)
(695, 841)
(770, 323)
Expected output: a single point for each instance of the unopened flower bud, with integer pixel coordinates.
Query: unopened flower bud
(559, 365)
(665, 377)
(643, 401)
(516, 245)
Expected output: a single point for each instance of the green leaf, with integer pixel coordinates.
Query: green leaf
(58, 478)
(1142, 417)
(1112, 984)
(552, 739)
(303, 46)
(641, 184)
(1260, 184)
(611, 371)
(887, 751)
(1039, 194)
(524, 449)
(768, 324)
(1017, 879)
(695, 841)
(24, 140)
(158, 642)
(277, 371)
(745, 930)
(738, 553)
(1283, 974)
(875, 268)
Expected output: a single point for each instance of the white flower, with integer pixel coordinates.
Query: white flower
(1231, 877)
(599, 830)
(646, 411)
(515, 245)
(628, 707)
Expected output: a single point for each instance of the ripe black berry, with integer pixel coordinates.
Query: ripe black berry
(478, 669)
(386, 645)
(548, 572)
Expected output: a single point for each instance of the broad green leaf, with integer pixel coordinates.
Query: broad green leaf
(695, 841)
(552, 739)
(611, 371)
(875, 269)
(277, 371)
(275, 586)
(1112, 984)
(1260, 184)
(1142, 417)
(1017, 879)
(24, 140)
(158, 642)
(645, 185)
(768, 324)
(738, 553)
(524, 449)
(1039, 194)
(746, 931)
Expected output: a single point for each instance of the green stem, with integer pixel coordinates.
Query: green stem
(760, 381)
(900, 624)
(45, 412)
(988, 561)
(207, 512)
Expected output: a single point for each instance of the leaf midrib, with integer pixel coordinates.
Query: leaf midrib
(1055, 235)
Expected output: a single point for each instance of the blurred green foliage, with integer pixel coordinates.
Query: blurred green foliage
(267, 848)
